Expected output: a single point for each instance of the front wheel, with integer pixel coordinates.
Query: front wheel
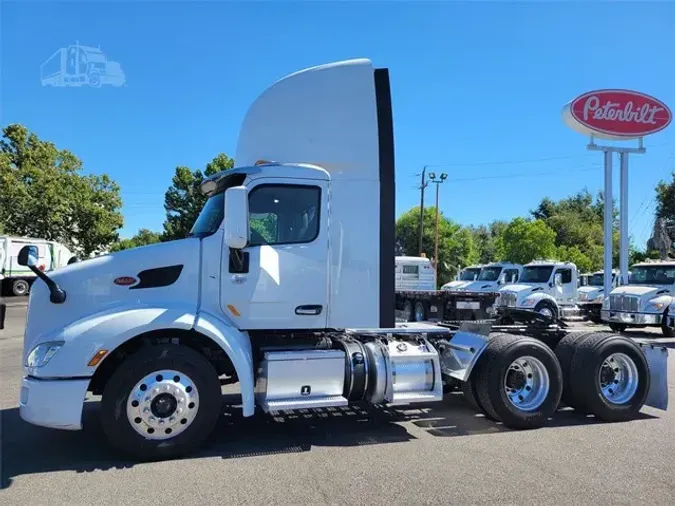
(20, 287)
(162, 402)
(420, 311)
(547, 309)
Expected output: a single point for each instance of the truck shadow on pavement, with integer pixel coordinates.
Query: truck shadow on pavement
(27, 449)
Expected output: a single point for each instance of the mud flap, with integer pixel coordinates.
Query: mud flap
(657, 358)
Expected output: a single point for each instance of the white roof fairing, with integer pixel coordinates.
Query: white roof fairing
(324, 116)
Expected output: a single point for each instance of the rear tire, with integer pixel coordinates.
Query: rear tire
(191, 429)
(565, 351)
(420, 311)
(408, 311)
(531, 373)
(20, 287)
(610, 377)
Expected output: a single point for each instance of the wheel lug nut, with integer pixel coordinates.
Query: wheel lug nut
(155, 390)
(161, 421)
(146, 410)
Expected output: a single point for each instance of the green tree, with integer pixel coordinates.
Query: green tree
(665, 199)
(576, 256)
(488, 241)
(578, 222)
(455, 243)
(184, 200)
(526, 240)
(44, 194)
(142, 238)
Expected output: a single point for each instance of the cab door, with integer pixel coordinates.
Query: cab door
(280, 280)
(565, 293)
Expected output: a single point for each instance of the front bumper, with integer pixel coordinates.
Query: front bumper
(53, 403)
(631, 318)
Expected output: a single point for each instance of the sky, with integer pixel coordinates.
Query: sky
(477, 90)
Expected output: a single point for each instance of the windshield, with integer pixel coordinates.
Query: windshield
(597, 280)
(490, 274)
(538, 274)
(653, 275)
(212, 213)
(469, 274)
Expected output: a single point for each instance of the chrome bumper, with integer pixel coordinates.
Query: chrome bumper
(631, 318)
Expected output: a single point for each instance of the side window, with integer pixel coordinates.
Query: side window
(411, 269)
(511, 275)
(566, 275)
(284, 214)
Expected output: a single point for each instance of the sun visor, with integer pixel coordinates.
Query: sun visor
(325, 116)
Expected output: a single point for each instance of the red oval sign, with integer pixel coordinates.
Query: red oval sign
(622, 113)
(125, 280)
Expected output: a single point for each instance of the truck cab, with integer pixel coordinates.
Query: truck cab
(545, 286)
(465, 277)
(492, 277)
(414, 273)
(646, 300)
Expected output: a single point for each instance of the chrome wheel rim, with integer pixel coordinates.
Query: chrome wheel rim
(618, 378)
(527, 383)
(163, 404)
(546, 312)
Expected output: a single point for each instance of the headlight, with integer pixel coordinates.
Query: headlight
(43, 353)
(599, 298)
(529, 302)
(655, 307)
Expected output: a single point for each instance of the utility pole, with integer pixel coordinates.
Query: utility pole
(437, 182)
(423, 185)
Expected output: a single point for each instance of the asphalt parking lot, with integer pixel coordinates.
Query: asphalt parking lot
(437, 453)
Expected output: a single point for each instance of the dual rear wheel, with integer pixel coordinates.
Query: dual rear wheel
(520, 381)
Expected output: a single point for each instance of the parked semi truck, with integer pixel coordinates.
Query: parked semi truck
(591, 295)
(418, 300)
(300, 314)
(16, 278)
(465, 276)
(645, 301)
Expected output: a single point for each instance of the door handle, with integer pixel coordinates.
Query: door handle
(309, 310)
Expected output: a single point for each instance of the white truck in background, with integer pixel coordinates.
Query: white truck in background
(547, 287)
(492, 277)
(15, 278)
(465, 276)
(591, 295)
(301, 313)
(646, 300)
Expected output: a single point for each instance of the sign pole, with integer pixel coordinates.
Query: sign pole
(609, 219)
(623, 216)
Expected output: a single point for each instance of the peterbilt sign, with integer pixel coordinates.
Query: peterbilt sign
(616, 114)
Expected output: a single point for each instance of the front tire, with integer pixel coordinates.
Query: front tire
(519, 381)
(20, 287)
(547, 309)
(408, 311)
(420, 311)
(161, 403)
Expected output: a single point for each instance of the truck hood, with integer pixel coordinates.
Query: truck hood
(642, 290)
(520, 289)
(455, 285)
(478, 286)
(158, 275)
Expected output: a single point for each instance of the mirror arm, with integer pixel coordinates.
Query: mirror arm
(57, 295)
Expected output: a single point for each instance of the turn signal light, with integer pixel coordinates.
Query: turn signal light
(98, 356)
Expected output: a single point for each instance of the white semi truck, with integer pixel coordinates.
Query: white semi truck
(16, 278)
(645, 301)
(591, 295)
(467, 275)
(299, 313)
(547, 287)
(492, 277)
